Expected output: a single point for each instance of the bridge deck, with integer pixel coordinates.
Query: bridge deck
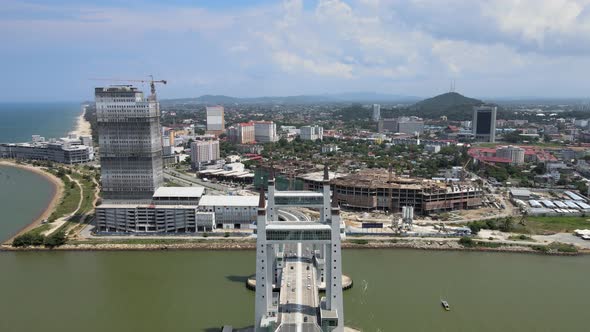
(299, 300)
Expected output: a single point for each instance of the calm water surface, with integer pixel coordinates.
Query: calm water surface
(394, 290)
(23, 197)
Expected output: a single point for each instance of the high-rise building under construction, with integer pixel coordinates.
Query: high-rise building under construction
(130, 142)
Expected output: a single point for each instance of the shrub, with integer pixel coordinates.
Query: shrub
(543, 249)
(226, 234)
(466, 241)
(563, 247)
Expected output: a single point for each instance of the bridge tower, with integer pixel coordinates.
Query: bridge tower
(332, 306)
(273, 264)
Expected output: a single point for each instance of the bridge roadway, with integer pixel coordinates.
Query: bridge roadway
(299, 300)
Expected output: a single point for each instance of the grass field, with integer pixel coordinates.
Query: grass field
(542, 225)
(69, 202)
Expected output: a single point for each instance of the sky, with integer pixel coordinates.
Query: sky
(50, 50)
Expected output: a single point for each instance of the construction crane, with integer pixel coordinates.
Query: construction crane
(151, 81)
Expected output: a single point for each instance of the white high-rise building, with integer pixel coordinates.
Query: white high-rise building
(130, 142)
(311, 133)
(204, 152)
(265, 131)
(514, 153)
(376, 112)
(215, 119)
(242, 133)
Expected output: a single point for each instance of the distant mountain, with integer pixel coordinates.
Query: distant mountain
(366, 97)
(452, 104)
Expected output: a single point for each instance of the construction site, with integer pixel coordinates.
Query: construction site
(380, 189)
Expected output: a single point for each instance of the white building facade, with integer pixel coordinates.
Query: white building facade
(204, 152)
(311, 133)
(514, 153)
(265, 131)
(231, 212)
(215, 119)
(376, 112)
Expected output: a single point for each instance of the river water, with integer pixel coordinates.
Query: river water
(394, 290)
(23, 197)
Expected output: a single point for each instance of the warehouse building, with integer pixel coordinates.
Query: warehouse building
(237, 212)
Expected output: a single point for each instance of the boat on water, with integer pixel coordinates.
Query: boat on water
(445, 305)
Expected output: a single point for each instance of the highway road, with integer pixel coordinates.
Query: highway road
(293, 215)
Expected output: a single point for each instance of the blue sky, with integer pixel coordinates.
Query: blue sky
(507, 48)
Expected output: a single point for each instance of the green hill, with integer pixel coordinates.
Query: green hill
(452, 104)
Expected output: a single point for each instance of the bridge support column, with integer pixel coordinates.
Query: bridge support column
(264, 271)
(334, 301)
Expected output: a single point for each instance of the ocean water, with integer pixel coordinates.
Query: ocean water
(18, 121)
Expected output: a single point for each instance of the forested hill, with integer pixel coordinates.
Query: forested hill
(452, 104)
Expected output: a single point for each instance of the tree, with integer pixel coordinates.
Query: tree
(28, 239)
(55, 240)
(507, 224)
(474, 227)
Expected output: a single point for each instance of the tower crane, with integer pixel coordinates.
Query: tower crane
(151, 81)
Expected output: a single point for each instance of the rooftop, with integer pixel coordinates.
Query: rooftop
(179, 192)
(520, 192)
(297, 225)
(219, 200)
(298, 194)
(319, 176)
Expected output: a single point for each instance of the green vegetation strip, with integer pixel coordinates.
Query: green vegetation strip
(147, 241)
(540, 225)
(555, 247)
(532, 225)
(521, 237)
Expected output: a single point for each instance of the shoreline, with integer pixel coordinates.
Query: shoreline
(57, 194)
(213, 245)
(82, 127)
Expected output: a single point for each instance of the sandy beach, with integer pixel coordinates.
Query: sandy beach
(58, 190)
(82, 126)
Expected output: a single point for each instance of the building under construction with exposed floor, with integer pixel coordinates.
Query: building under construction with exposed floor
(378, 189)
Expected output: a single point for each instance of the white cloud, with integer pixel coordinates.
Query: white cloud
(339, 45)
(462, 58)
(293, 63)
(535, 20)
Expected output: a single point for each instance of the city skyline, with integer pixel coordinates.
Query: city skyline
(270, 48)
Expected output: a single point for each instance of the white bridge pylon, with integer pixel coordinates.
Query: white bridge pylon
(298, 257)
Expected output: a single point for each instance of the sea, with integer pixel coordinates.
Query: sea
(19, 121)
